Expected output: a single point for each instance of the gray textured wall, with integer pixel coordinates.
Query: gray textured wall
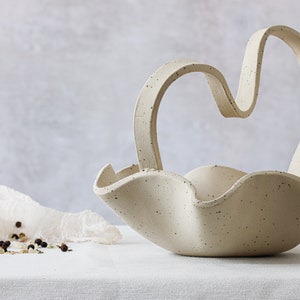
(71, 71)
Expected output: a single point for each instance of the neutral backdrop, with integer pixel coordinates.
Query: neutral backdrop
(70, 72)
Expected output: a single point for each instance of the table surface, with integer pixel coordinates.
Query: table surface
(137, 269)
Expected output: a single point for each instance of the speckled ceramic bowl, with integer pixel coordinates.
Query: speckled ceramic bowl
(213, 210)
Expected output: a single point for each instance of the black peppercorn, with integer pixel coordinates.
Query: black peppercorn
(18, 224)
(31, 246)
(6, 244)
(38, 242)
(15, 236)
(63, 247)
(44, 244)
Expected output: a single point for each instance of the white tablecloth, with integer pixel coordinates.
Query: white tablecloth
(138, 269)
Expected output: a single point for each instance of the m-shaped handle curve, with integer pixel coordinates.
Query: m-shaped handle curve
(149, 99)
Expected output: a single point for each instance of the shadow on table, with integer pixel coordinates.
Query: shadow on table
(291, 257)
(287, 258)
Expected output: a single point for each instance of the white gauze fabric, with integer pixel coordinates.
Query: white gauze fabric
(52, 225)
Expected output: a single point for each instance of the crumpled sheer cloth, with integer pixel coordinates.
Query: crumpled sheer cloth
(52, 225)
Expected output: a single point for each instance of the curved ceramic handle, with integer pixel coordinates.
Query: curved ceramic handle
(151, 94)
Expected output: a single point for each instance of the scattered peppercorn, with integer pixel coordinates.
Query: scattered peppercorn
(18, 224)
(6, 244)
(63, 247)
(31, 247)
(15, 236)
(44, 244)
(38, 242)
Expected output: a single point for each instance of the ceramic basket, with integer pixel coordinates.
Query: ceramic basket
(214, 210)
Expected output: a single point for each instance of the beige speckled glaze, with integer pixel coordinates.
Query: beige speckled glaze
(213, 210)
